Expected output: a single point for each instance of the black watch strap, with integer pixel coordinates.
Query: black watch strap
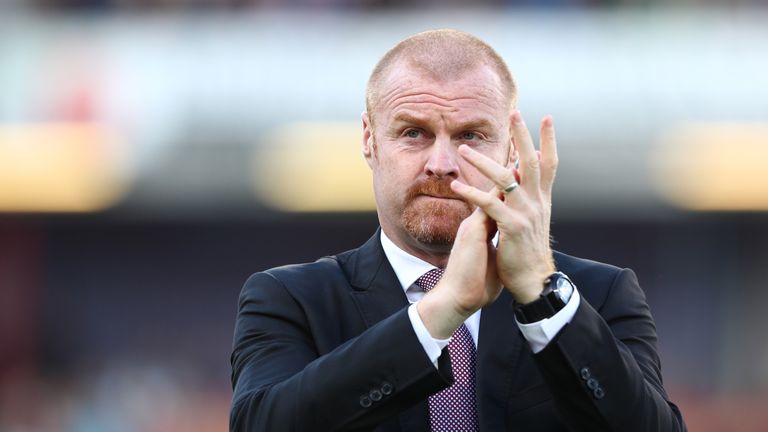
(550, 301)
(534, 311)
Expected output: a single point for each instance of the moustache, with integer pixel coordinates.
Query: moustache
(432, 187)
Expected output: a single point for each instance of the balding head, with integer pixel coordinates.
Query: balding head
(442, 55)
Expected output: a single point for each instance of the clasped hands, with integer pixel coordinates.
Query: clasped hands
(520, 262)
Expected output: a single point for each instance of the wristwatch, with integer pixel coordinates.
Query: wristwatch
(558, 289)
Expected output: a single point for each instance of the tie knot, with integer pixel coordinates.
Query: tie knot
(429, 279)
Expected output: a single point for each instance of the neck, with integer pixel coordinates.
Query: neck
(437, 255)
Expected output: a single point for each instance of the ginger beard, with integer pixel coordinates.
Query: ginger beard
(432, 212)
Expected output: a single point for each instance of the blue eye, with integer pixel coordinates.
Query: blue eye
(468, 136)
(412, 133)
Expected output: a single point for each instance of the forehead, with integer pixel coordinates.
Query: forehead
(475, 93)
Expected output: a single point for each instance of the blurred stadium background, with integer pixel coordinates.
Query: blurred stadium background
(155, 153)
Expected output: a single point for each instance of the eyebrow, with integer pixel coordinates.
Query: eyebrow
(478, 123)
(408, 118)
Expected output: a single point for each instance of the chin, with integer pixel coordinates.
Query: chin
(435, 223)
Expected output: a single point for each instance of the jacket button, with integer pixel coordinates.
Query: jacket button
(585, 373)
(386, 388)
(375, 395)
(592, 384)
(365, 402)
(598, 393)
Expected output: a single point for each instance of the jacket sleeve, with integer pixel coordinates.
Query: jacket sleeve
(603, 368)
(282, 383)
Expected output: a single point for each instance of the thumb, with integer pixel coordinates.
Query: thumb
(484, 222)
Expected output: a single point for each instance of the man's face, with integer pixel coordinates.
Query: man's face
(412, 148)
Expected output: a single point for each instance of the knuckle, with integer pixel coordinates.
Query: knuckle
(533, 163)
(484, 200)
(508, 180)
(481, 197)
(554, 162)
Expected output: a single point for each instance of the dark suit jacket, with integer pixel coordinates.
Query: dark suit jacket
(328, 346)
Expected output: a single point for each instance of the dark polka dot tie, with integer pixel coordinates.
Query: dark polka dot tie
(455, 408)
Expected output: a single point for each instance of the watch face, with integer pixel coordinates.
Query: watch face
(564, 288)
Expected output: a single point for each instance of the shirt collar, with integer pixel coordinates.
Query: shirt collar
(407, 267)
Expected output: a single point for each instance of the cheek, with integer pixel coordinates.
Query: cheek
(401, 166)
(390, 178)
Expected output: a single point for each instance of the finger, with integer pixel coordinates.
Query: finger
(500, 175)
(472, 223)
(549, 158)
(489, 202)
(529, 161)
(474, 232)
(480, 220)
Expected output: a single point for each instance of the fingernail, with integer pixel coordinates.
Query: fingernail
(516, 117)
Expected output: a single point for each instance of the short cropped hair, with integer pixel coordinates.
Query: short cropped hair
(443, 54)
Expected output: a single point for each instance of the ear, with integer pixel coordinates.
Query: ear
(368, 144)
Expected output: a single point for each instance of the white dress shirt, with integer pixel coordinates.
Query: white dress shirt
(408, 269)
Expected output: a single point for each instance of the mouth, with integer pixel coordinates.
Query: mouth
(444, 197)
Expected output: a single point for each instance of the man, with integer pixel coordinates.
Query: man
(509, 336)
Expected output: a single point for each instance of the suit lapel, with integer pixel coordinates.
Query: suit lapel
(377, 294)
(499, 349)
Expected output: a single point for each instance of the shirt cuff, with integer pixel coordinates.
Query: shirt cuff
(432, 347)
(540, 333)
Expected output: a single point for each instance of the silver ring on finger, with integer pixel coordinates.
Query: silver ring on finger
(511, 187)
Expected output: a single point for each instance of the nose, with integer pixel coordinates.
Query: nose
(443, 159)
